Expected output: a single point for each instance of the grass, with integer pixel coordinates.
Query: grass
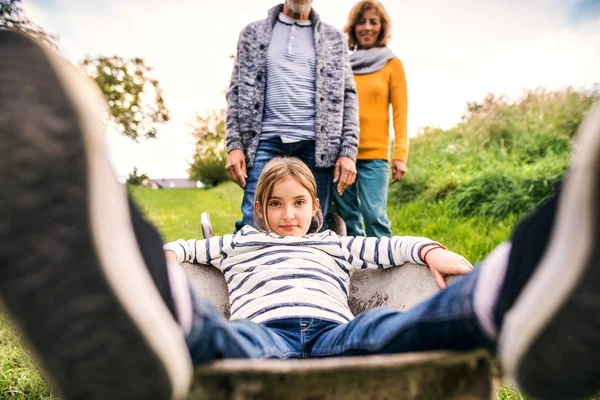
(474, 237)
(20, 378)
(465, 187)
(176, 213)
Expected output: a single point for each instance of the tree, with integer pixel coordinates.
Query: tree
(134, 97)
(210, 157)
(12, 17)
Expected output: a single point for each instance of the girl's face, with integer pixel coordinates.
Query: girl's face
(290, 208)
(367, 30)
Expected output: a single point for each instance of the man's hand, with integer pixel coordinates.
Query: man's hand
(398, 170)
(345, 173)
(444, 262)
(236, 167)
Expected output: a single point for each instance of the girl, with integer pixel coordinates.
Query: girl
(282, 281)
(380, 83)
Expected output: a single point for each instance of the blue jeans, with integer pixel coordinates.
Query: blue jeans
(366, 200)
(274, 147)
(446, 321)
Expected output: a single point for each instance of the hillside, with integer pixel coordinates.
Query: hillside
(465, 187)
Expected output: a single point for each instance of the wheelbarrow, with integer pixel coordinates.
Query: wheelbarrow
(419, 375)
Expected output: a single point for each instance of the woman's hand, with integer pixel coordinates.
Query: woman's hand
(444, 262)
(398, 170)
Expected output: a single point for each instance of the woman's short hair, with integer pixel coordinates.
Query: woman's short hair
(356, 14)
(277, 170)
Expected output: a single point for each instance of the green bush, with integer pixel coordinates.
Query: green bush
(209, 168)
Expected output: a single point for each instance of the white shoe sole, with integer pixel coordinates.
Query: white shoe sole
(71, 271)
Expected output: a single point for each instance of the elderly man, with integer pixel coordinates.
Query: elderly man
(292, 92)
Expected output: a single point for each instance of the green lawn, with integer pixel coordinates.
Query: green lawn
(19, 375)
(465, 187)
(176, 212)
(177, 215)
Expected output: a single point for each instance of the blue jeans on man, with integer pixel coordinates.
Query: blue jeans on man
(365, 201)
(274, 147)
(446, 321)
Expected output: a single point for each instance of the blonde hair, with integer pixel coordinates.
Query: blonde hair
(277, 170)
(356, 14)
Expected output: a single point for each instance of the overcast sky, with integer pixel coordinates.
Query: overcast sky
(453, 52)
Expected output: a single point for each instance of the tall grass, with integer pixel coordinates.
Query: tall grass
(468, 185)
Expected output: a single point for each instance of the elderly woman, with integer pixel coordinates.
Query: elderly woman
(380, 81)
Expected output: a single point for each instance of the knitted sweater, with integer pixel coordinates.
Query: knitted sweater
(336, 114)
(376, 91)
(273, 277)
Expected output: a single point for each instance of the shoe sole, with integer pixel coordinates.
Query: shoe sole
(550, 340)
(71, 273)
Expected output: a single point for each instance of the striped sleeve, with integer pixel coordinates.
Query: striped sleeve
(206, 251)
(384, 252)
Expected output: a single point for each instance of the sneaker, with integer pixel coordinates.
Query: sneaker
(71, 272)
(550, 339)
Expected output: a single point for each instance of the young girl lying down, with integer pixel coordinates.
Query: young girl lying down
(288, 290)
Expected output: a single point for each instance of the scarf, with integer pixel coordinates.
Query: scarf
(370, 60)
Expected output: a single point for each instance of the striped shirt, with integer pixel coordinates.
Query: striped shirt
(272, 277)
(290, 109)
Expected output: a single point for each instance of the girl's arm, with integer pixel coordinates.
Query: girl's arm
(398, 250)
(371, 252)
(206, 251)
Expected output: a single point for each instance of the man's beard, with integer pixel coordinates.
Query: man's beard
(298, 8)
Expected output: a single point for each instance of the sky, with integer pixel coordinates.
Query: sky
(453, 53)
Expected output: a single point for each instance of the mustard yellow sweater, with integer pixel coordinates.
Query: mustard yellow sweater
(376, 91)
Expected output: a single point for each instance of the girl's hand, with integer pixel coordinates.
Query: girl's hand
(171, 257)
(444, 262)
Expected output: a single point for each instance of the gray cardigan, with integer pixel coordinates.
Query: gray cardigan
(336, 101)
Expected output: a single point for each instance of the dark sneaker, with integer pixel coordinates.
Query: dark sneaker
(71, 272)
(550, 339)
